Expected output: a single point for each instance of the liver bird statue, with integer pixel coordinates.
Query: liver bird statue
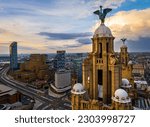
(123, 40)
(102, 13)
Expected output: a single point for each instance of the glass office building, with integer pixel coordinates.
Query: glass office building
(13, 56)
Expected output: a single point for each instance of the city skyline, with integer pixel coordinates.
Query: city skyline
(47, 26)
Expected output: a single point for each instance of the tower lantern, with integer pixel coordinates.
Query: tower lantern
(124, 57)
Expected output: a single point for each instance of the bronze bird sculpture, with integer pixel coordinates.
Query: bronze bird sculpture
(102, 13)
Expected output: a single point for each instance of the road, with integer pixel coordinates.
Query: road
(47, 102)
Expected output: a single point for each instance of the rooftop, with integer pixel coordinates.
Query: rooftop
(6, 90)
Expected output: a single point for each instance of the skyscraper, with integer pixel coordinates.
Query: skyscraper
(59, 61)
(13, 56)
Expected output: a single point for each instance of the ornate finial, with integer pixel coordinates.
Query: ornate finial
(102, 13)
(123, 40)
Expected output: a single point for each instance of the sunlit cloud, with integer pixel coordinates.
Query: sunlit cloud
(132, 24)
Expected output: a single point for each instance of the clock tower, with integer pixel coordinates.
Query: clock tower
(101, 70)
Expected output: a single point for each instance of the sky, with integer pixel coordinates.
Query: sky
(44, 26)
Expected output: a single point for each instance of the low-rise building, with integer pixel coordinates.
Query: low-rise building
(8, 95)
(35, 68)
(138, 70)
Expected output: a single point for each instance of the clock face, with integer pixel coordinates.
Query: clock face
(112, 61)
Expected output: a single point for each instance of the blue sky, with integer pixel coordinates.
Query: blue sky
(44, 26)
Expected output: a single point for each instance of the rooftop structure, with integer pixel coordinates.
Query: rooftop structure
(34, 69)
(8, 95)
(78, 89)
(62, 81)
(121, 96)
(138, 70)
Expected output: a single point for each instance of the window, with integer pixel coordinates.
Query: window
(100, 50)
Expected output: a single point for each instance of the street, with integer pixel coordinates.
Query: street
(48, 102)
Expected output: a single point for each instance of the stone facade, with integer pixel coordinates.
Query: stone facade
(102, 77)
(35, 68)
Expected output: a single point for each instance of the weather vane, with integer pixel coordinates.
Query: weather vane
(123, 40)
(102, 13)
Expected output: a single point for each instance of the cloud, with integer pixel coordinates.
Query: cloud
(72, 46)
(64, 36)
(79, 43)
(84, 41)
(132, 24)
(110, 3)
(5, 43)
(3, 49)
(68, 40)
(78, 9)
(142, 44)
(133, 0)
(26, 48)
(14, 11)
(65, 24)
(2, 31)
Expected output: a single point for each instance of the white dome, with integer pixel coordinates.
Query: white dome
(130, 62)
(103, 31)
(121, 96)
(124, 46)
(121, 93)
(125, 83)
(78, 89)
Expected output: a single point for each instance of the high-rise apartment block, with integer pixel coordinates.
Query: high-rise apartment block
(13, 56)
